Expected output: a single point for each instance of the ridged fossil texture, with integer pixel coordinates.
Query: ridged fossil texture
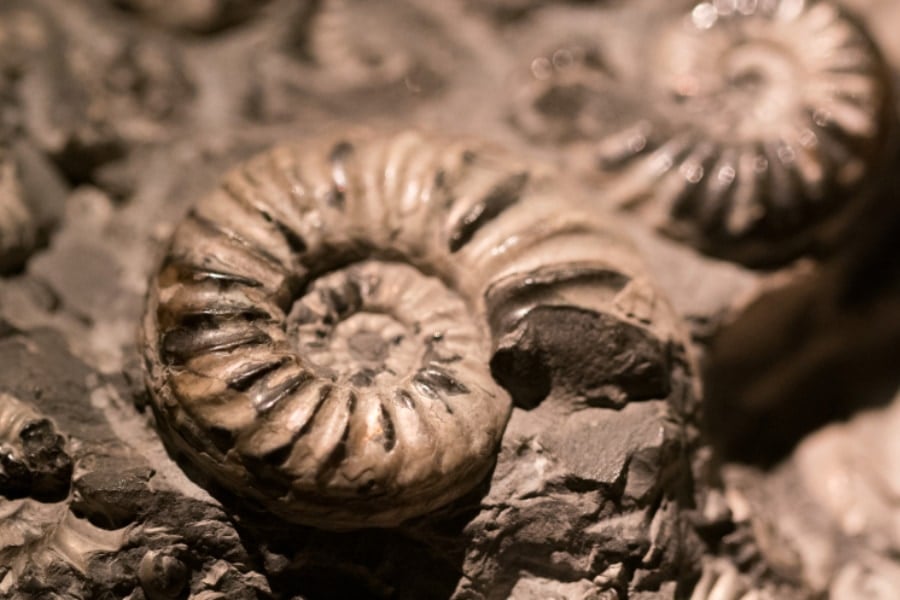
(358, 44)
(748, 129)
(327, 330)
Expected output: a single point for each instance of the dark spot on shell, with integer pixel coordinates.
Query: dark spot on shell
(209, 316)
(244, 379)
(339, 453)
(440, 179)
(501, 197)
(434, 379)
(337, 194)
(221, 438)
(179, 345)
(389, 439)
(324, 392)
(343, 300)
(363, 378)
(264, 396)
(236, 239)
(294, 240)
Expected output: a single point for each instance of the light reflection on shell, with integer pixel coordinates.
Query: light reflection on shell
(322, 332)
(743, 128)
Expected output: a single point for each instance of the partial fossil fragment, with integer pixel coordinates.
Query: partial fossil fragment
(359, 43)
(38, 532)
(353, 57)
(322, 333)
(39, 538)
(18, 231)
(31, 202)
(33, 459)
(750, 130)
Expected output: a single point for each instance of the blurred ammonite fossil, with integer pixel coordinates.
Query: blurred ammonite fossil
(748, 129)
(328, 327)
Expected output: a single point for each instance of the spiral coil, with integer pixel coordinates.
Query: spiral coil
(322, 333)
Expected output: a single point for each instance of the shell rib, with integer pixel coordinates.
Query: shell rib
(745, 128)
(320, 334)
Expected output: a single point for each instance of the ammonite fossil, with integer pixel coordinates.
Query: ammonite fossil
(748, 129)
(18, 229)
(325, 330)
(393, 51)
(33, 458)
(32, 197)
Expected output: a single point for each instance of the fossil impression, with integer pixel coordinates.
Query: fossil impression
(357, 44)
(18, 232)
(322, 332)
(747, 129)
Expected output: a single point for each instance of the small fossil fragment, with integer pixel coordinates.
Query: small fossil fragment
(357, 44)
(32, 198)
(33, 458)
(748, 129)
(162, 573)
(320, 334)
(46, 538)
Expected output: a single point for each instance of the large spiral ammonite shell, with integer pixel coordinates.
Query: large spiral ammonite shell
(745, 128)
(322, 333)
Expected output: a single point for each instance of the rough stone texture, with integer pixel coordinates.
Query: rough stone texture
(829, 509)
(584, 502)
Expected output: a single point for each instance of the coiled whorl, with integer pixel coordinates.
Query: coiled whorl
(322, 332)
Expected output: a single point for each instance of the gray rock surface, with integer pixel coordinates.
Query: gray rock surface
(119, 119)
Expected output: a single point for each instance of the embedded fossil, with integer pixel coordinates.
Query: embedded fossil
(32, 197)
(38, 532)
(365, 58)
(18, 230)
(325, 53)
(746, 129)
(320, 335)
(33, 460)
(39, 537)
(361, 44)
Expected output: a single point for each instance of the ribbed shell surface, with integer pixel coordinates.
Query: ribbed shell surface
(319, 335)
